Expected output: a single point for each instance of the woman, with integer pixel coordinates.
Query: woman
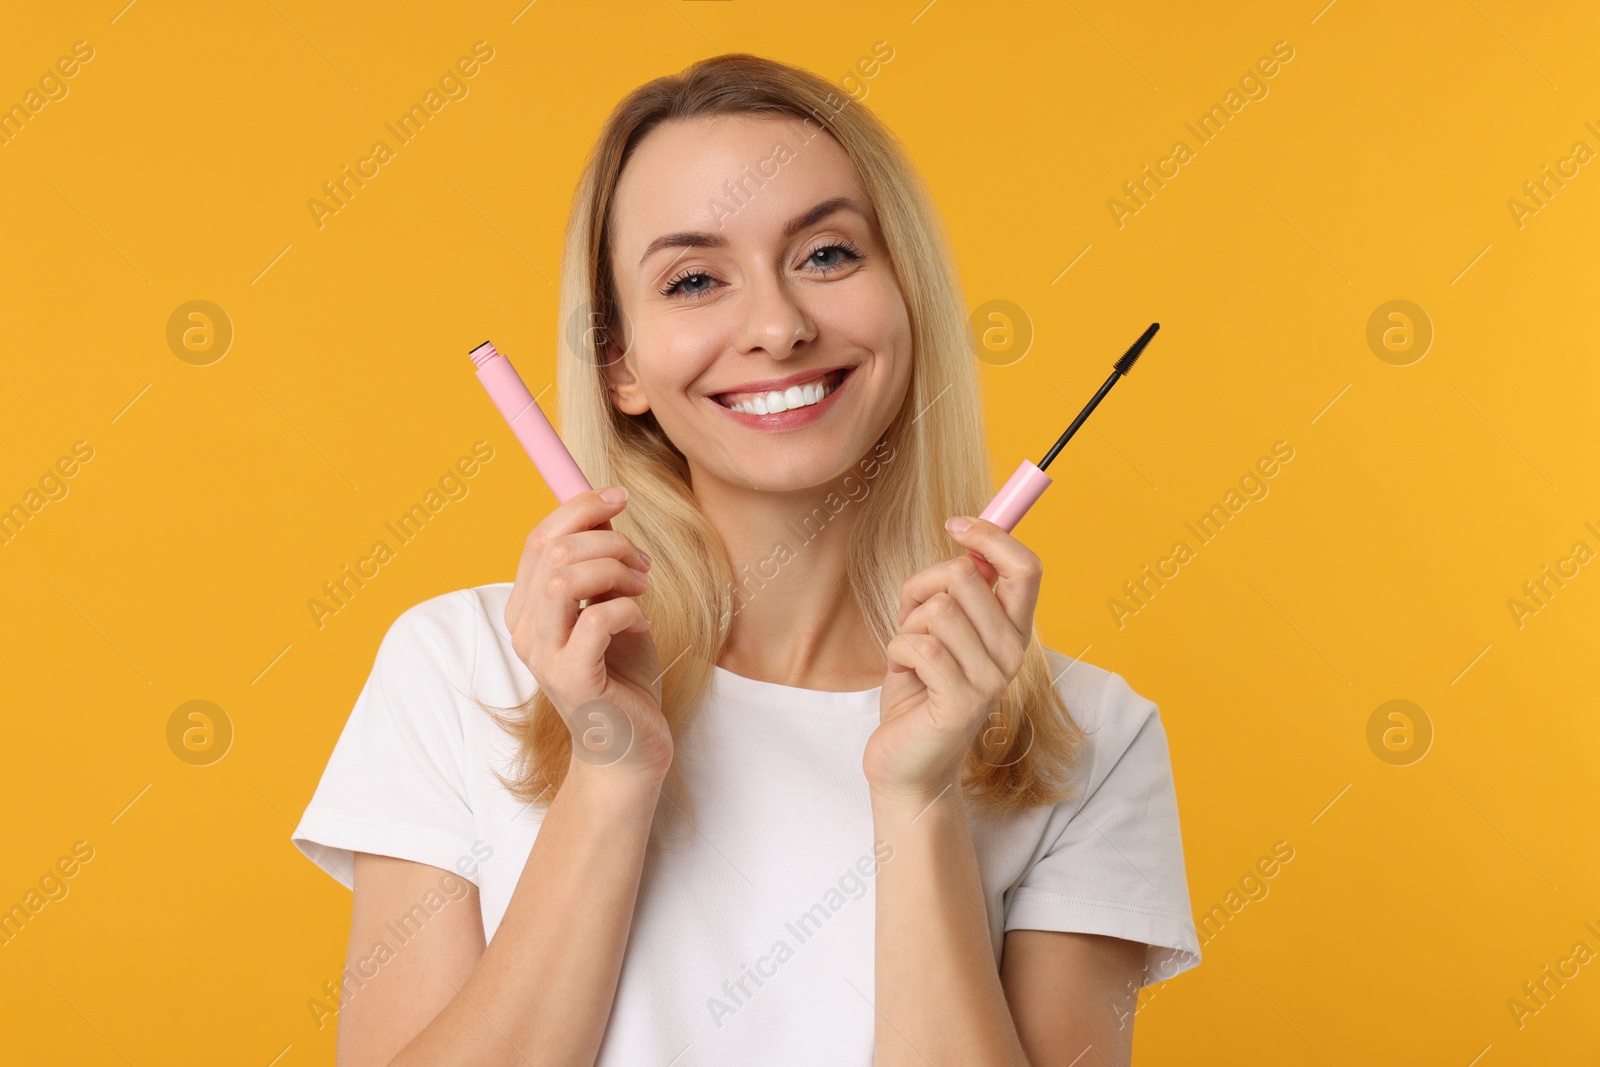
(892, 843)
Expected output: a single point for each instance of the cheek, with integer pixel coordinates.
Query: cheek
(875, 318)
(674, 355)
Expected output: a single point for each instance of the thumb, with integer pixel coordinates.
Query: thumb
(985, 568)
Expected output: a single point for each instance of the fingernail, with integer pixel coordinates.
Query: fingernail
(640, 574)
(958, 524)
(644, 560)
(614, 495)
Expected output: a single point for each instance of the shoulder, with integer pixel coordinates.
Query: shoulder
(1109, 859)
(463, 636)
(455, 641)
(1112, 715)
(454, 624)
(1098, 698)
(406, 776)
(437, 617)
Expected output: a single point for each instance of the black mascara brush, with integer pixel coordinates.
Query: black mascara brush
(1029, 482)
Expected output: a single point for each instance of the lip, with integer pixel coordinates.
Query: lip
(768, 385)
(794, 418)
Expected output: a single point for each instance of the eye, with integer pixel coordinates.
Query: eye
(675, 286)
(685, 284)
(848, 252)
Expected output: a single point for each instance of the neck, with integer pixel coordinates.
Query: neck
(795, 617)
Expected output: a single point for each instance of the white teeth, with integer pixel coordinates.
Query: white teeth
(796, 396)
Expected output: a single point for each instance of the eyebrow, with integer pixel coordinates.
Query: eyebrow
(703, 239)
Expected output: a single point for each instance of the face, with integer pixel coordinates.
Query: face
(752, 285)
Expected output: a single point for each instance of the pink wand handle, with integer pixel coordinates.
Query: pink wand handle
(556, 465)
(1014, 499)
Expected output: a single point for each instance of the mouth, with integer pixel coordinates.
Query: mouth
(777, 401)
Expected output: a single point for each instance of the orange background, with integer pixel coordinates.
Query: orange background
(1379, 165)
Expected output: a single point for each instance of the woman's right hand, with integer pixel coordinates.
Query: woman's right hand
(597, 662)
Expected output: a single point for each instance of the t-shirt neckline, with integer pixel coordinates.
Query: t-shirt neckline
(753, 690)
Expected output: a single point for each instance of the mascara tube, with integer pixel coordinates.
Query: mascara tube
(527, 421)
(1025, 486)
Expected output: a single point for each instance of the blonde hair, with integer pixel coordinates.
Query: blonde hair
(937, 467)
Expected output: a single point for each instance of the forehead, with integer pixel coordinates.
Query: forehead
(729, 174)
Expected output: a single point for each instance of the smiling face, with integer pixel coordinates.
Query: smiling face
(763, 323)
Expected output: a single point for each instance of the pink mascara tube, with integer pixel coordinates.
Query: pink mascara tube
(528, 423)
(1028, 483)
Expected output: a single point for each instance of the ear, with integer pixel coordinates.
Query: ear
(622, 384)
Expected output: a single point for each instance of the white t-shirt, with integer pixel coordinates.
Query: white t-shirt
(752, 939)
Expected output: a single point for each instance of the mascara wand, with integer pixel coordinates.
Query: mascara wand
(1029, 482)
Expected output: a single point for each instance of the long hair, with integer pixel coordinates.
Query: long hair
(932, 462)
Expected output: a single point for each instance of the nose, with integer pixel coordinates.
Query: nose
(775, 321)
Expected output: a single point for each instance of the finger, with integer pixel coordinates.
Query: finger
(933, 664)
(560, 605)
(594, 544)
(946, 619)
(1001, 639)
(585, 511)
(1019, 569)
(959, 578)
(582, 512)
(621, 549)
(914, 652)
(985, 568)
(593, 632)
(941, 577)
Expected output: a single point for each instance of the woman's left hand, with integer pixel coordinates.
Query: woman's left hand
(961, 642)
